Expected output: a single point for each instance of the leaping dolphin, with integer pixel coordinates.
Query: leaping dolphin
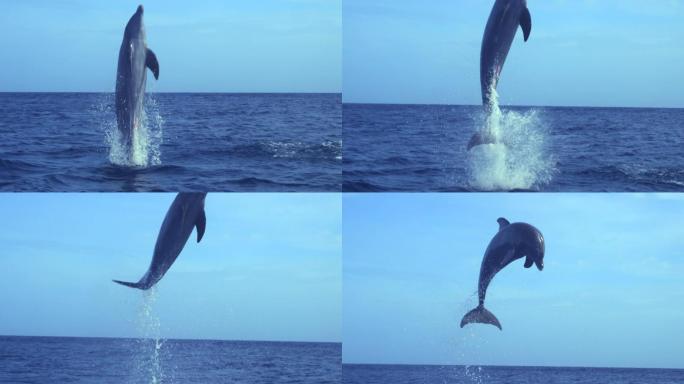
(186, 212)
(512, 242)
(501, 28)
(131, 77)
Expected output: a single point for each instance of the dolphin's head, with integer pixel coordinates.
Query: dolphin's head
(539, 261)
(136, 22)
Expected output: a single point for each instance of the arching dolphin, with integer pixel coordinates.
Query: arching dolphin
(512, 242)
(131, 76)
(186, 212)
(498, 36)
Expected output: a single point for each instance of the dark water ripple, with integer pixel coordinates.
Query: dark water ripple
(101, 360)
(410, 374)
(211, 142)
(422, 148)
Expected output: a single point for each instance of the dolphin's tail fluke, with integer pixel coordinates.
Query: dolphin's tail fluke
(132, 285)
(480, 315)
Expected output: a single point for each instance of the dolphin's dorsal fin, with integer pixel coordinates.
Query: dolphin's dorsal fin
(526, 23)
(201, 224)
(152, 63)
(503, 223)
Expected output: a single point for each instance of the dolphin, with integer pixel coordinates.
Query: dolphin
(186, 212)
(501, 28)
(131, 77)
(512, 242)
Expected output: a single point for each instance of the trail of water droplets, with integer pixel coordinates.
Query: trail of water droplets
(468, 346)
(150, 345)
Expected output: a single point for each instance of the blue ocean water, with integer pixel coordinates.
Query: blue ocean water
(206, 142)
(108, 360)
(423, 148)
(411, 374)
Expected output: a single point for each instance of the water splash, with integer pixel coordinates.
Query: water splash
(145, 148)
(149, 361)
(475, 374)
(516, 157)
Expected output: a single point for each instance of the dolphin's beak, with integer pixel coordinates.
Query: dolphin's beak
(140, 9)
(540, 264)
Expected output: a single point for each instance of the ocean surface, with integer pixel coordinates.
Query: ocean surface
(423, 148)
(105, 360)
(204, 142)
(411, 374)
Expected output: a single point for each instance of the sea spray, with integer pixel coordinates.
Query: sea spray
(149, 359)
(155, 125)
(145, 147)
(516, 155)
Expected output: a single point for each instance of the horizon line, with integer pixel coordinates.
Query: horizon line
(175, 338)
(348, 102)
(505, 105)
(507, 366)
(189, 92)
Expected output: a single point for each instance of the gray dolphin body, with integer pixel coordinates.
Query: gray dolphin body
(131, 77)
(501, 28)
(186, 212)
(512, 242)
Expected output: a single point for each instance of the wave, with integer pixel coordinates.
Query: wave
(327, 150)
(255, 181)
(118, 170)
(655, 179)
(361, 186)
(396, 160)
(18, 165)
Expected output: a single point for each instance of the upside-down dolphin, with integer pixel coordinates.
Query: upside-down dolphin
(186, 212)
(512, 242)
(131, 77)
(501, 28)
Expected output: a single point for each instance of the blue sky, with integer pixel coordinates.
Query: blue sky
(202, 46)
(580, 53)
(268, 267)
(610, 294)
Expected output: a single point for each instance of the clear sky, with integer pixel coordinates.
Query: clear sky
(268, 267)
(611, 293)
(202, 46)
(580, 53)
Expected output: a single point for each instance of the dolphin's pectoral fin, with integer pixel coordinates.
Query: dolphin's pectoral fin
(475, 140)
(526, 23)
(479, 139)
(201, 225)
(528, 261)
(152, 63)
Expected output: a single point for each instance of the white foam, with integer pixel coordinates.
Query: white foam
(517, 158)
(145, 148)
